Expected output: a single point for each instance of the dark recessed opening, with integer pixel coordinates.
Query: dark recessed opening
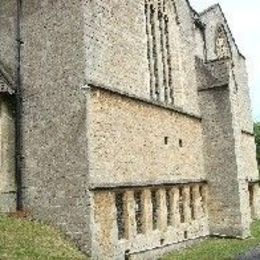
(192, 203)
(166, 140)
(180, 143)
(162, 241)
(127, 254)
(168, 206)
(185, 234)
(155, 207)
(181, 206)
(138, 210)
(120, 214)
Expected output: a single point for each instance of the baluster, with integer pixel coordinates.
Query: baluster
(197, 206)
(147, 212)
(161, 210)
(204, 195)
(186, 203)
(176, 219)
(129, 215)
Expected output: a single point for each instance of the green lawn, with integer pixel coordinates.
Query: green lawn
(219, 249)
(21, 239)
(25, 240)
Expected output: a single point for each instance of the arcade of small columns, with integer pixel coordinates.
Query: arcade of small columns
(146, 210)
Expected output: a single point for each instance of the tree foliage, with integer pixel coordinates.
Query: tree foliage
(257, 138)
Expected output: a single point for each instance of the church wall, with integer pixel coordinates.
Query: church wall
(116, 45)
(243, 94)
(117, 39)
(221, 166)
(54, 116)
(186, 83)
(8, 42)
(82, 144)
(7, 156)
(200, 43)
(135, 142)
(241, 110)
(248, 154)
(212, 19)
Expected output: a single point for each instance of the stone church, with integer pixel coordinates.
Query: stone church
(126, 124)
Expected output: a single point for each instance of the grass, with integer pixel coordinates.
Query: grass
(219, 249)
(27, 240)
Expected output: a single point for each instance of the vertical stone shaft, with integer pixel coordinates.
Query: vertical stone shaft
(129, 214)
(169, 66)
(186, 203)
(256, 201)
(167, 61)
(197, 206)
(175, 206)
(165, 49)
(158, 53)
(150, 48)
(154, 50)
(164, 57)
(161, 210)
(204, 194)
(147, 212)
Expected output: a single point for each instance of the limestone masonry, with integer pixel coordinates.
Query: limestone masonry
(126, 124)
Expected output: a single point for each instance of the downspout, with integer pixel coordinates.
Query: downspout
(18, 112)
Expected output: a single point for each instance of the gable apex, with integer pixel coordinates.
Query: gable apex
(218, 7)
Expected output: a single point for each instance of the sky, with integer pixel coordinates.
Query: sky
(244, 20)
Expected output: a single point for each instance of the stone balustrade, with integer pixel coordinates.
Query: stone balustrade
(144, 210)
(142, 218)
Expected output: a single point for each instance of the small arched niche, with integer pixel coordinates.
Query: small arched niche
(222, 46)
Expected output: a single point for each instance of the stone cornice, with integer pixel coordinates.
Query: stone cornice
(136, 185)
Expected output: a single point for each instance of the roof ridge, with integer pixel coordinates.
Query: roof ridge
(217, 5)
(210, 8)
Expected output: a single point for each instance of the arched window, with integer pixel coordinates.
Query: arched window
(222, 47)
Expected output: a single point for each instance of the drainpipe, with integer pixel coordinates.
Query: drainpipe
(18, 112)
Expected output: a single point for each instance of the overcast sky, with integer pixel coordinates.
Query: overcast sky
(244, 19)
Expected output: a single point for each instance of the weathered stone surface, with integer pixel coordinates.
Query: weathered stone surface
(136, 123)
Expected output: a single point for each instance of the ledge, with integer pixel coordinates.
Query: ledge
(128, 185)
(8, 192)
(253, 181)
(144, 100)
(214, 87)
(247, 133)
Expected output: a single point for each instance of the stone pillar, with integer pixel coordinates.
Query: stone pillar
(256, 201)
(197, 203)
(150, 49)
(147, 212)
(7, 156)
(175, 207)
(161, 210)
(105, 231)
(129, 215)
(227, 210)
(158, 55)
(186, 203)
(204, 195)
